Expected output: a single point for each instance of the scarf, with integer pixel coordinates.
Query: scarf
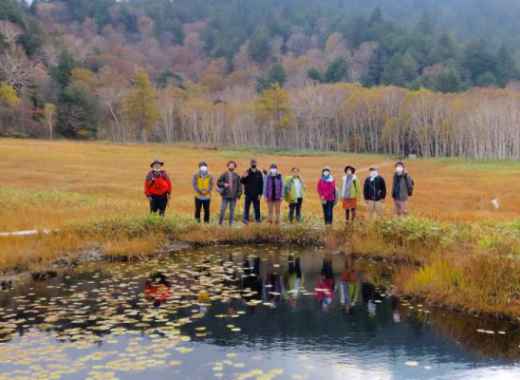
(329, 178)
(348, 181)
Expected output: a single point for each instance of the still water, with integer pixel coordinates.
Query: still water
(241, 313)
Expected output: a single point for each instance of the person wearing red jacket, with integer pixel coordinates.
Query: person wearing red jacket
(157, 188)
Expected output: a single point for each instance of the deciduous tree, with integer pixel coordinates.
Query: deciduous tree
(141, 105)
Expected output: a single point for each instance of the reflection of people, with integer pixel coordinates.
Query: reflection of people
(324, 291)
(273, 286)
(203, 300)
(368, 293)
(349, 287)
(293, 279)
(157, 188)
(251, 275)
(157, 288)
(396, 315)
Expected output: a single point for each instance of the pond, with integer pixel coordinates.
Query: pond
(241, 313)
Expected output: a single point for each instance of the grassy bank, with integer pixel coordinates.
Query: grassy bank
(469, 267)
(139, 237)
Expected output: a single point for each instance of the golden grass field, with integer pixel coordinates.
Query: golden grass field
(93, 193)
(53, 184)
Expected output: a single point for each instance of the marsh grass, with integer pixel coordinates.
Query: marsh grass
(476, 283)
(55, 184)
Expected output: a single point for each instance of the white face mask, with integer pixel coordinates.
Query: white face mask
(203, 169)
(156, 168)
(373, 174)
(274, 171)
(399, 170)
(326, 173)
(349, 172)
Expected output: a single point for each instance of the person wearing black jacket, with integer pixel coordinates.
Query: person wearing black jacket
(253, 181)
(402, 189)
(375, 193)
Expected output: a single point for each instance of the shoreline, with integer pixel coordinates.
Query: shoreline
(438, 260)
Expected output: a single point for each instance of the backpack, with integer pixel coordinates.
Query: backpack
(410, 184)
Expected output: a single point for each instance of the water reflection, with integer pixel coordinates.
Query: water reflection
(320, 315)
(157, 289)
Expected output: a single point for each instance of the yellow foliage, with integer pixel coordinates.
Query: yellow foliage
(273, 107)
(83, 77)
(141, 104)
(49, 110)
(8, 95)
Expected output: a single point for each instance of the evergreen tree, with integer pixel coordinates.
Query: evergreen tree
(78, 113)
(506, 69)
(337, 71)
(374, 73)
(376, 17)
(315, 75)
(32, 39)
(425, 26)
(486, 79)
(260, 46)
(479, 62)
(61, 73)
(448, 81)
(400, 70)
(275, 77)
(445, 49)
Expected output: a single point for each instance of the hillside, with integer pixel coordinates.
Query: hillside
(113, 69)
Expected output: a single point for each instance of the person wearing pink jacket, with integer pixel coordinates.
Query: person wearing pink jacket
(328, 194)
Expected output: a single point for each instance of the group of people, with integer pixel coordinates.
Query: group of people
(274, 188)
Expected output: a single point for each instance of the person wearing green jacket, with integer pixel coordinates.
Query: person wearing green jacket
(350, 192)
(294, 192)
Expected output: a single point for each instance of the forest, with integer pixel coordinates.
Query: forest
(433, 78)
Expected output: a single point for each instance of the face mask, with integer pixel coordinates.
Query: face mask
(373, 174)
(326, 173)
(349, 172)
(156, 169)
(274, 171)
(399, 170)
(204, 169)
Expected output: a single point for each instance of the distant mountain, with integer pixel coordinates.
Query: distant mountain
(60, 51)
